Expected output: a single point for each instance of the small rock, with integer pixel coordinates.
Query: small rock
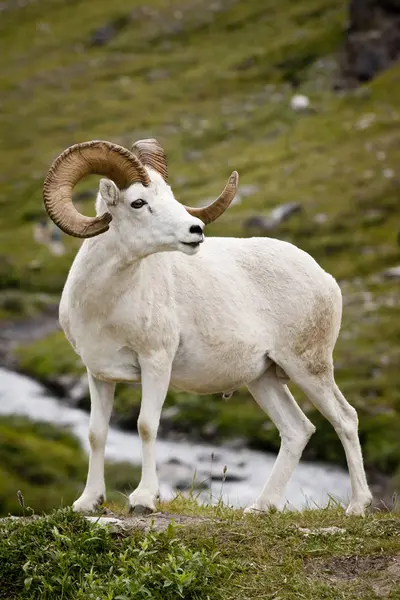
(35, 265)
(274, 219)
(227, 477)
(284, 211)
(259, 222)
(365, 121)
(103, 35)
(105, 521)
(210, 430)
(299, 102)
(384, 360)
(320, 218)
(392, 273)
(107, 32)
(321, 530)
(175, 461)
(170, 412)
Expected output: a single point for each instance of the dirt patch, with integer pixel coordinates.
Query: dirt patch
(380, 573)
(390, 577)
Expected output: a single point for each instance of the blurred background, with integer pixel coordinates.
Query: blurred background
(302, 98)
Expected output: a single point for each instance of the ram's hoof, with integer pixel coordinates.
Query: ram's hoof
(88, 503)
(139, 509)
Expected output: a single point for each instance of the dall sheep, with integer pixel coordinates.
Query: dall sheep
(146, 300)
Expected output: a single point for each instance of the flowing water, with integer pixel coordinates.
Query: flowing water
(311, 485)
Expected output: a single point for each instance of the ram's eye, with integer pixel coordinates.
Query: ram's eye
(138, 203)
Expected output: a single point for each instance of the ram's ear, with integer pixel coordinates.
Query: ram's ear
(109, 192)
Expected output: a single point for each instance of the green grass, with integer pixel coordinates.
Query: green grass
(216, 555)
(215, 89)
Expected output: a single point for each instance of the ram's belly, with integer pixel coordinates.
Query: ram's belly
(218, 371)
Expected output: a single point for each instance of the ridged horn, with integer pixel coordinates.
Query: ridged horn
(96, 158)
(151, 153)
(210, 213)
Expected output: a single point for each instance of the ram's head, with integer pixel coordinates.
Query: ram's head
(135, 195)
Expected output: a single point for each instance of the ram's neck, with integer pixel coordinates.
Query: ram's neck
(99, 266)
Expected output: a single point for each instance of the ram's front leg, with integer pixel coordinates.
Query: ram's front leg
(101, 397)
(155, 375)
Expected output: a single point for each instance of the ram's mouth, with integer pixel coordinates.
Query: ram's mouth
(192, 244)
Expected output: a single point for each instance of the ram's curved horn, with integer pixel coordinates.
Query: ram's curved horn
(151, 153)
(95, 157)
(210, 213)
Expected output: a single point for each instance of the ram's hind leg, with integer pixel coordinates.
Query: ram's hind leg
(321, 388)
(295, 430)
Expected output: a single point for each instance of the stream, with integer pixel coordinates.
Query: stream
(247, 470)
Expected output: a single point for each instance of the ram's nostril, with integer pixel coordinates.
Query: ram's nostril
(196, 229)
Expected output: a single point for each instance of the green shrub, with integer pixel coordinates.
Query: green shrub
(65, 556)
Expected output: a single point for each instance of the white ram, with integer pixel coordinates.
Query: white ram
(211, 318)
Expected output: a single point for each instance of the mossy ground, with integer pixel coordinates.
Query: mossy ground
(214, 86)
(220, 555)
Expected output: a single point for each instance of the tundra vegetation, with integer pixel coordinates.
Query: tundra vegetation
(217, 555)
(124, 74)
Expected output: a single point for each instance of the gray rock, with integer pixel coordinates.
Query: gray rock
(392, 273)
(259, 222)
(227, 477)
(170, 412)
(320, 218)
(175, 461)
(299, 102)
(272, 220)
(284, 211)
(332, 530)
(372, 40)
(105, 33)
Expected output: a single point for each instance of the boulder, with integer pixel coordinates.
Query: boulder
(372, 41)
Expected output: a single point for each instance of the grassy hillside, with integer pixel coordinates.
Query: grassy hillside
(216, 555)
(213, 82)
